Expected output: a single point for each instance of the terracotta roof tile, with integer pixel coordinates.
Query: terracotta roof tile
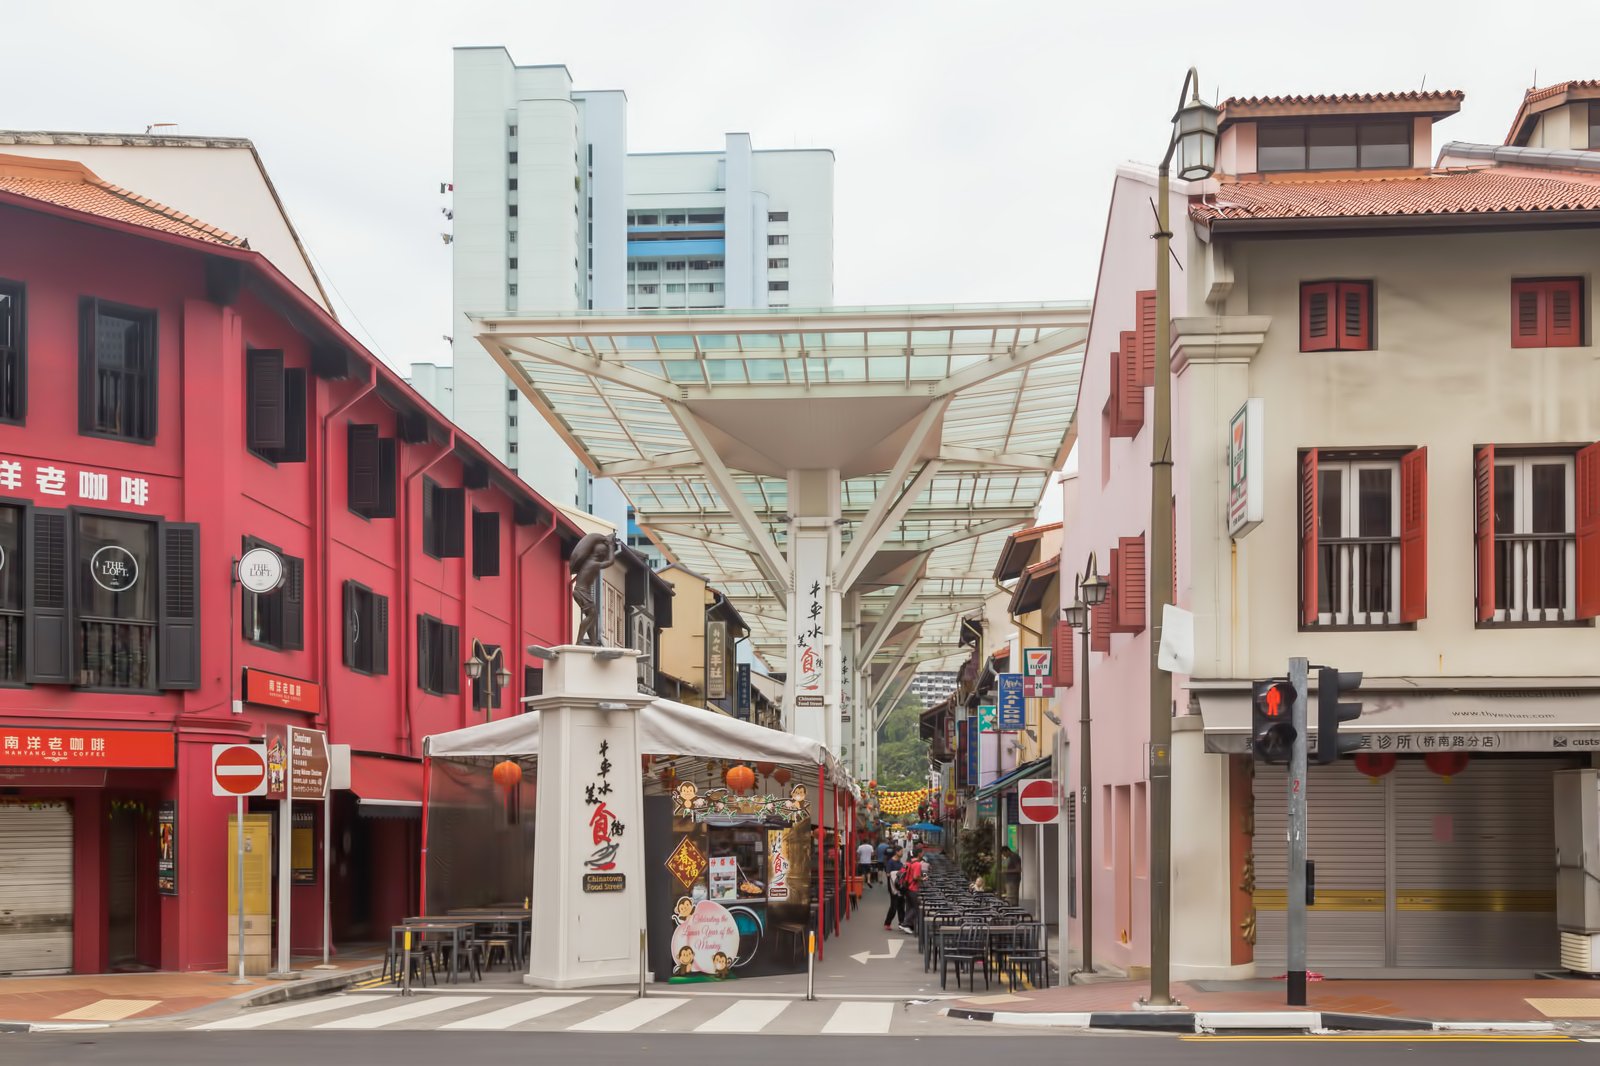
(1535, 95)
(1463, 192)
(1434, 96)
(73, 186)
(1522, 124)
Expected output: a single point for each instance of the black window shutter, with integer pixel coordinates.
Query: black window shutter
(352, 623)
(294, 416)
(294, 608)
(485, 543)
(424, 658)
(387, 477)
(179, 647)
(363, 469)
(88, 314)
(264, 396)
(454, 522)
(451, 654)
(380, 634)
(430, 518)
(47, 616)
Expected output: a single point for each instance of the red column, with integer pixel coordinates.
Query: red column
(822, 866)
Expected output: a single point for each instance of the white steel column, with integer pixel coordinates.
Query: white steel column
(812, 688)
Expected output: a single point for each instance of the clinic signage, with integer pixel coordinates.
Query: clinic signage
(1246, 468)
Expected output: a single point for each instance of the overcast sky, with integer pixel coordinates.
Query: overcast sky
(975, 141)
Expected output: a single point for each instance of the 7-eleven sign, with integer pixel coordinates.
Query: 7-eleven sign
(1038, 675)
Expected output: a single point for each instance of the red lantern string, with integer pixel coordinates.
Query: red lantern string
(1447, 764)
(1375, 764)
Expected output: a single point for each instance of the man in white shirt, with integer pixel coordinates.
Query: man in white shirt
(864, 866)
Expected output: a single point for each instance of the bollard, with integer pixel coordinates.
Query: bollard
(811, 967)
(642, 963)
(405, 966)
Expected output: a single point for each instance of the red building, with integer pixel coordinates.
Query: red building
(169, 400)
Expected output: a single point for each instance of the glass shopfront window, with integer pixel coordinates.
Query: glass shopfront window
(116, 603)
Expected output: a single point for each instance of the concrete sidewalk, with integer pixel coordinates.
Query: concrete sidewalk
(1528, 1005)
(92, 1000)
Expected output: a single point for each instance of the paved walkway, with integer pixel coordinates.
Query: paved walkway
(1440, 1001)
(78, 999)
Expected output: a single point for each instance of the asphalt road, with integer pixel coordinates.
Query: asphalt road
(488, 1049)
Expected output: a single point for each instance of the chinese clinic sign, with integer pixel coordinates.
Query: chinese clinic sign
(128, 748)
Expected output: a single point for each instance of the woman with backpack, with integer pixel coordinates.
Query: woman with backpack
(892, 870)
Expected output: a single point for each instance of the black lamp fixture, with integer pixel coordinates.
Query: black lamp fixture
(474, 668)
(1093, 587)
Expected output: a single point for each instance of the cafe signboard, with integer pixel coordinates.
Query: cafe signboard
(279, 690)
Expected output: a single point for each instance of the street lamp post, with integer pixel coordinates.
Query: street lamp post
(1194, 139)
(1091, 588)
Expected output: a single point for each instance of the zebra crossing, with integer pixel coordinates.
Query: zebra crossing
(585, 1014)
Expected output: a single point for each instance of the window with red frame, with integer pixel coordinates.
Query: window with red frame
(1336, 316)
(1547, 313)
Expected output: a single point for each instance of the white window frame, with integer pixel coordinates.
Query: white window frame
(1344, 584)
(1522, 467)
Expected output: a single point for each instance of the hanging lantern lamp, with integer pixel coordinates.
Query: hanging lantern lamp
(507, 774)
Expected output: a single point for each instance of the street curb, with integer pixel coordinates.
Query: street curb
(281, 992)
(1243, 1022)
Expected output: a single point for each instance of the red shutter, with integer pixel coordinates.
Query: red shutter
(1130, 388)
(1308, 538)
(1132, 581)
(1100, 626)
(1564, 313)
(1483, 506)
(1317, 333)
(1528, 327)
(1064, 645)
(1414, 536)
(1355, 316)
(1145, 310)
(1588, 500)
(1116, 395)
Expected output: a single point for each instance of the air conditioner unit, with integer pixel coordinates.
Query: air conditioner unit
(1580, 952)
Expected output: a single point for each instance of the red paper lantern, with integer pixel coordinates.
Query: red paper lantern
(1447, 764)
(765, 768)
(873, 784)
(741, 778)
(1375, 764)
(507, 774)
(781, 776)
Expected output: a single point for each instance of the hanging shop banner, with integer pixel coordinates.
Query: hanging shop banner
(167, 844)
(299, 758)
(716, 660)
(778, 867)
(972, 751)
(278, 690)
(1247, 468)
(97, 748)
(742, 703)
(303, 846)
(1013, 705)
(808, 622)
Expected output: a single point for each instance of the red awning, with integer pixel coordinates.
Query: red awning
(387, 783)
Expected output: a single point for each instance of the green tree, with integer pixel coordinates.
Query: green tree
(902, 753)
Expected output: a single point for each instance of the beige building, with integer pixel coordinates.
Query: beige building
(699, 660)
(1386, 408)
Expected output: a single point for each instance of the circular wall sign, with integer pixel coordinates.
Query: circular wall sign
(114, 568)
(260, 570)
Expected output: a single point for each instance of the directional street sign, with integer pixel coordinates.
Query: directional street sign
(1037, 802)
(238, 770)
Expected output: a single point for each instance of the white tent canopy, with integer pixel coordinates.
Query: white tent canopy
(665, 728)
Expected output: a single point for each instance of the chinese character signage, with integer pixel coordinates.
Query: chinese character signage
(972, 751)
(605, 831)
(716, 660)
(742, 703)
(1246, 468)
(55, 482)
(98, 748)
(810, 622)
(276, 690)
(1013, 705)
(167, 848)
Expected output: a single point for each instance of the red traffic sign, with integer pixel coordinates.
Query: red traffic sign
(1037, 802)
(238, 770)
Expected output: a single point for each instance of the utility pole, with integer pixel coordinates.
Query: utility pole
(1299, 670)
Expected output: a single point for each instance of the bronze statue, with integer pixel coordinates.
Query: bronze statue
(591, 555)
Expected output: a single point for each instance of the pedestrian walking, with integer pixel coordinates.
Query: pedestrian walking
(892, 869)
(864, 863)
(911, 885)
(1011, 870)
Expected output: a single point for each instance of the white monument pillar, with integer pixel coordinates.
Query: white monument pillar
(812, 688)
(588, 869)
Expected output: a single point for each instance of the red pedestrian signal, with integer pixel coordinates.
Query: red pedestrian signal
(1272, 734)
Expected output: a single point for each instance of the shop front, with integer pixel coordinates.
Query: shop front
(88, 846)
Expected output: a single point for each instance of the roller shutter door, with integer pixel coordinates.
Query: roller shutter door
(1475, 865)
(35, 888)
(1346, 927)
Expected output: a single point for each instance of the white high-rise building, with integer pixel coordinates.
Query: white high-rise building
(551, 213)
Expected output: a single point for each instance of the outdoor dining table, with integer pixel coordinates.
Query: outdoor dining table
(521, 920)
(458, 930)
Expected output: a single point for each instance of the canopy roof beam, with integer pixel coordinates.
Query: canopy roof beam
(771, 561)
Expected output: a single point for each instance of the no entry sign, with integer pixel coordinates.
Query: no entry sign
(1037, 803)
(238, 770)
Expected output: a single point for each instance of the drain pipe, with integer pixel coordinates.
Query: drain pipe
(408, 656)
(518, 637)
(325, 535)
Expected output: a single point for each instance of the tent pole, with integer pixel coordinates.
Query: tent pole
(422, 877)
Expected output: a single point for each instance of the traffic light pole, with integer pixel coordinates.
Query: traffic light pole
(1299, 671)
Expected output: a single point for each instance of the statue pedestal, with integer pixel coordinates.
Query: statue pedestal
(588, 868)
